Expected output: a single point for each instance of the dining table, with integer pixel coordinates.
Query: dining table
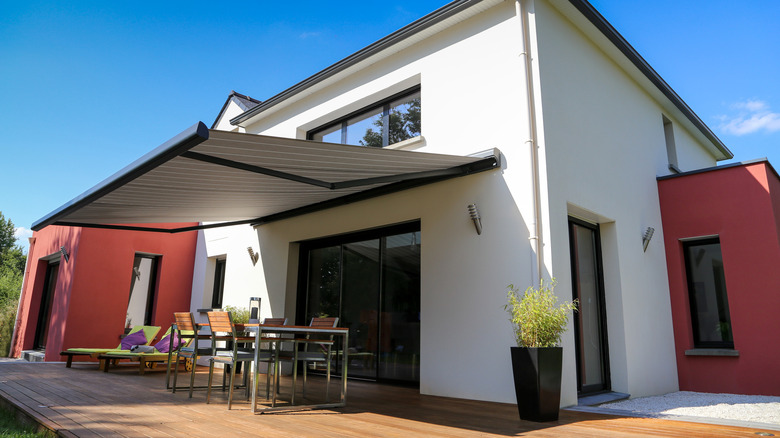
(282, 334)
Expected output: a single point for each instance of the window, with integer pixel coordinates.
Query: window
(219, 284)
(707, 294)
(671, 148)
(142, 284)
(387, 122)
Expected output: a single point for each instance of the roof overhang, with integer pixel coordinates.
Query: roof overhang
(204, 175)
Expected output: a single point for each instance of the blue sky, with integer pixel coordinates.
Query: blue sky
(88, 87)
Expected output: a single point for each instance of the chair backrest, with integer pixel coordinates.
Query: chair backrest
(184, 321)
(275, 321)
(324, 322)
(221, 322)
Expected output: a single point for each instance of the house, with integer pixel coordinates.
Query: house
(83, 286)
(490, 142)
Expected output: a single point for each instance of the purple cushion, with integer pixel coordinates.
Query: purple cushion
(165, 343)
(137, 338)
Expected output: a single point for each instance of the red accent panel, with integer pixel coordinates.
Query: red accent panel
(91, 297)
(739, 204)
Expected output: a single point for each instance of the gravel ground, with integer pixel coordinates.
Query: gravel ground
(752, 408)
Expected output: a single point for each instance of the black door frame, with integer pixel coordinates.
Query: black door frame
(605, 371)
(44, 311)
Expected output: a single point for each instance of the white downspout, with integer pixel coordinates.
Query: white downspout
(522, 9)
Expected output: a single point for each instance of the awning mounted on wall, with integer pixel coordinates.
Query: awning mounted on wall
(204, 175)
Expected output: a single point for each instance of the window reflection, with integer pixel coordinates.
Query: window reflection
(388, 122)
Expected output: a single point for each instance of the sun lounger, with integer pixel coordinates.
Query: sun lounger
(149, 333)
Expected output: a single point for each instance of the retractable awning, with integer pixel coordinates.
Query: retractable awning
(204, 175)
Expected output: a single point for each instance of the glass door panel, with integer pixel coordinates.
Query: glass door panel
(589, 321)
(324, 283)
(141, 301)
(359, 298)
(400, 311)
(373, 286)
(44, 313)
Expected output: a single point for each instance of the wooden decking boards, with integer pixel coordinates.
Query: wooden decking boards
(81, 401)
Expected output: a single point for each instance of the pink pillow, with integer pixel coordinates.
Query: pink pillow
(137, 338)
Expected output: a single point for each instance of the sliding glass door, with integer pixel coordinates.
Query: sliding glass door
(371, 281)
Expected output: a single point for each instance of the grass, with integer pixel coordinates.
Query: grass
(11, 427)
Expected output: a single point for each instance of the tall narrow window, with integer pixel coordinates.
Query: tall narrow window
(386, 122)
(219, 284)
(141, 303)
(671, 149)
(707, 293)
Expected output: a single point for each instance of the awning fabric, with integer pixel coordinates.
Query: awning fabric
(204, 175)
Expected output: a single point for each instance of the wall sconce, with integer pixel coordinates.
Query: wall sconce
(64, 253)
(253, 255)
(646, 237)
(474, 213)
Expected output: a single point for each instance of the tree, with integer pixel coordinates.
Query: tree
(7, 238)
(404, 123)
(12, 262)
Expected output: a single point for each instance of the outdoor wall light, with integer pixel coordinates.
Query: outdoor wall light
(646, 237)
(474, 213)
(253, 255)
(64, 253)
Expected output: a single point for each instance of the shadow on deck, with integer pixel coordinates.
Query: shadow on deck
(82, 401)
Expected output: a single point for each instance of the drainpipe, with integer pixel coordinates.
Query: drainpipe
(522, 10)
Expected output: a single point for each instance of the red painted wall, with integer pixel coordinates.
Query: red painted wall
(738, 204)
(91, 297)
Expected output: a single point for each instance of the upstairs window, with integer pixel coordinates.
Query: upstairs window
(707, 293)
(387, 122)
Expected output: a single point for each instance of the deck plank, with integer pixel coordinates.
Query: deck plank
(82, 401)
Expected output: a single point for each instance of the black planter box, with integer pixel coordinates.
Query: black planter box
(537, 373)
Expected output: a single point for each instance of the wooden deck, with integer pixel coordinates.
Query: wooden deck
(82, 401)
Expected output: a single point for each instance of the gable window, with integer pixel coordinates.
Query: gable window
(707, 294)
(671, 148)
(387, 122)
(219, 283)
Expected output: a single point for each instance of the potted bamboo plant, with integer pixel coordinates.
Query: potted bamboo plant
(538, 321)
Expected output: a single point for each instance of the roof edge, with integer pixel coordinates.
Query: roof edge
(172, 148)
(601, 23)
(716, 168)
(417, 26)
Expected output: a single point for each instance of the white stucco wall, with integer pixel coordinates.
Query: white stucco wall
(603, 143)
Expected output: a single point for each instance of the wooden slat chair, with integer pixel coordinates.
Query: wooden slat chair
(149, 332)
(188, 329)
(271, 342)
(323, 352)
(222, 322)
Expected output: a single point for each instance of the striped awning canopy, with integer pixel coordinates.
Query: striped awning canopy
(228, 178)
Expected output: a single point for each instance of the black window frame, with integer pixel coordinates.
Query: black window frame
(693, 308)
(384, 104)
(218, 292)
